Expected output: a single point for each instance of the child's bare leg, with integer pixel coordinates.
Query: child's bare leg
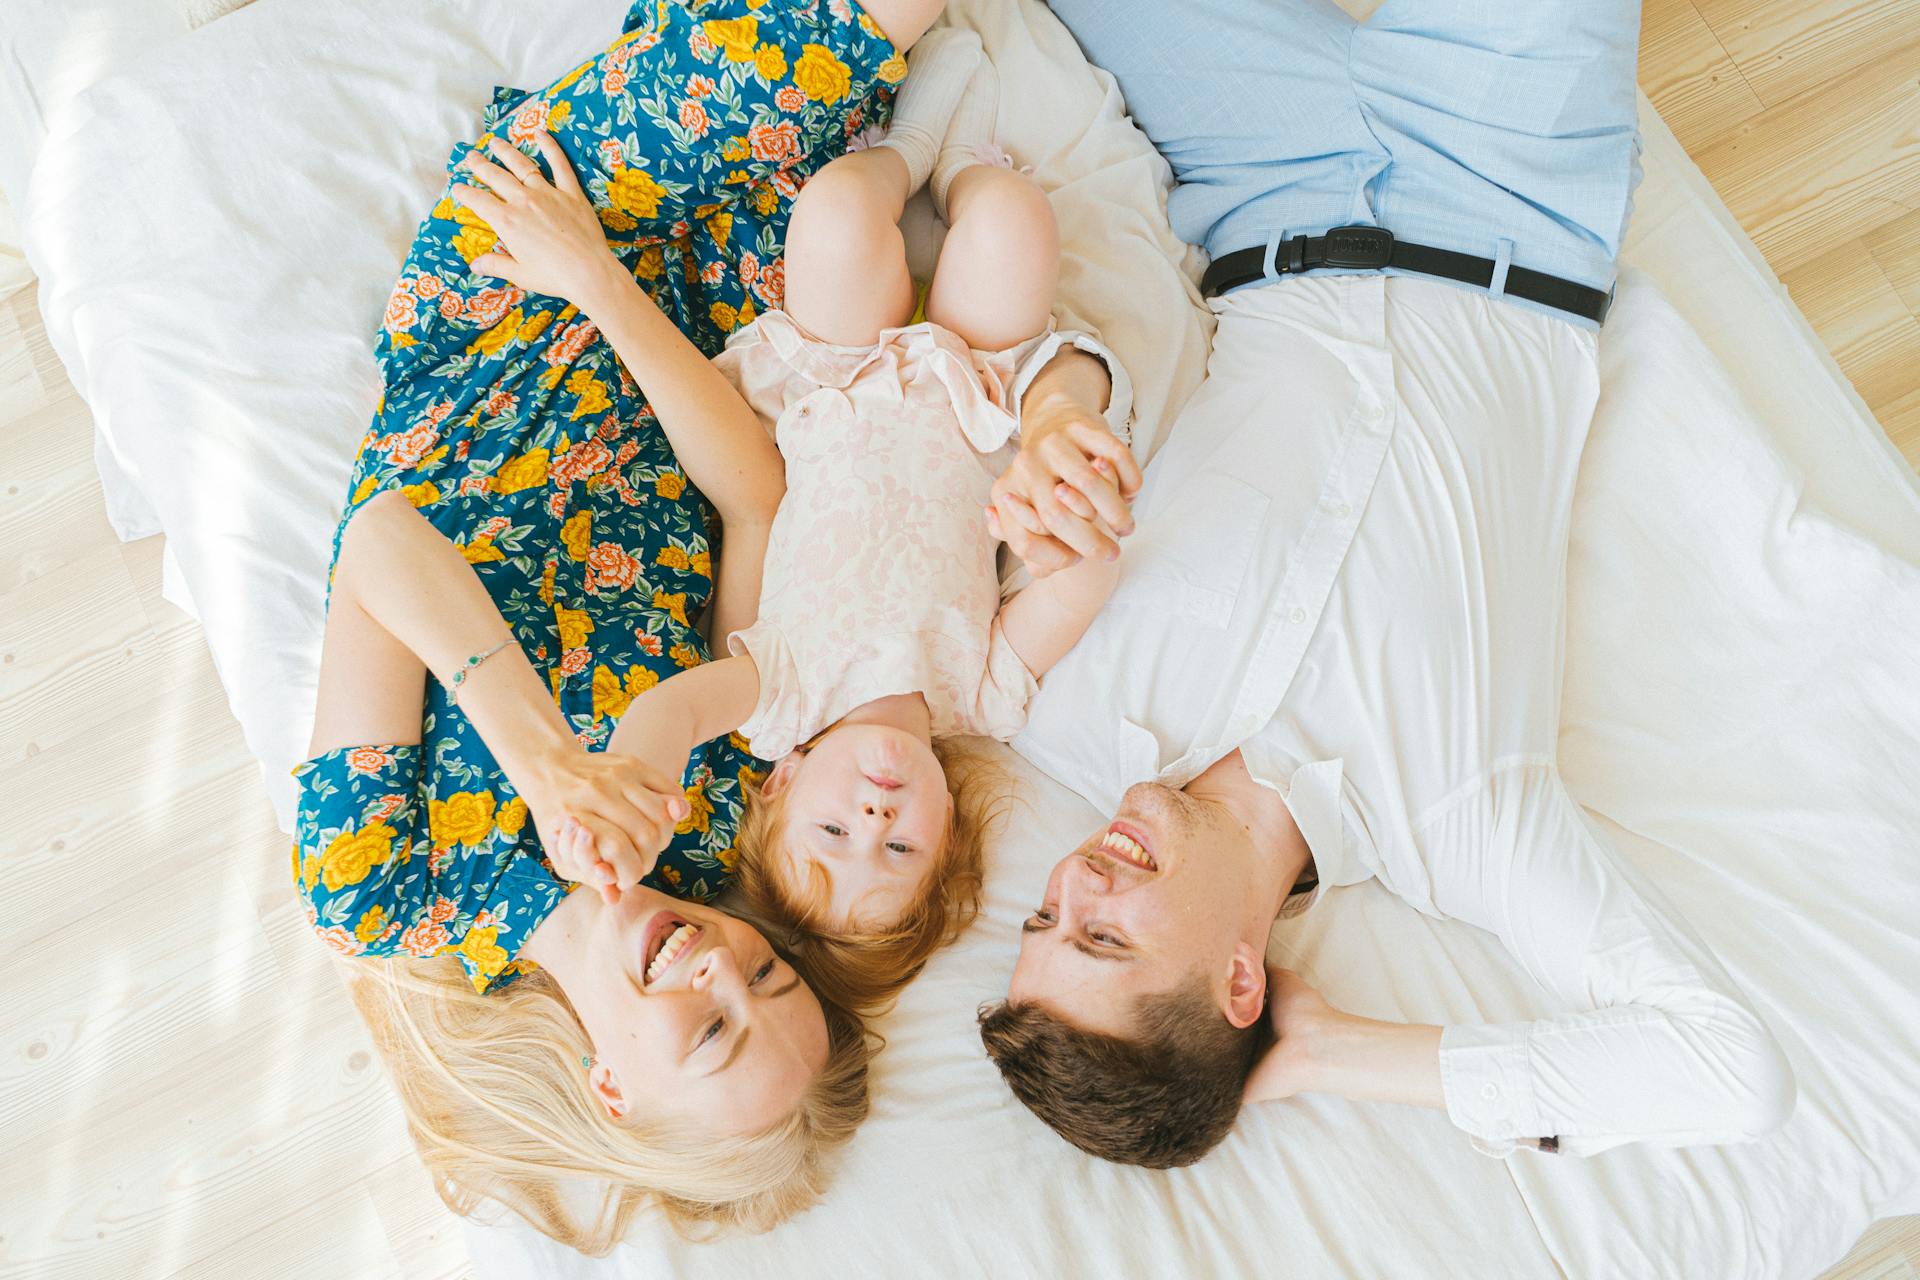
(1000, 266)
(904, 21)
(847, 275)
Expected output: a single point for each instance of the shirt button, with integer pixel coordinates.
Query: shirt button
(1342, 509)
(1298, 616)
(1489, 1091)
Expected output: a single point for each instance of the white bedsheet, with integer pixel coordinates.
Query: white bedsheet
(1742, 700)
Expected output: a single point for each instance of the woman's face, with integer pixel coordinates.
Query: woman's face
(690, 1011)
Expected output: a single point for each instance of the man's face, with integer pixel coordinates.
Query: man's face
(1162, 892)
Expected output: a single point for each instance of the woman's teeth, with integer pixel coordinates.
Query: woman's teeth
(1127, 849)
(677, 944)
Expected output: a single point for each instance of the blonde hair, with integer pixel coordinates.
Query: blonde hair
(497, 1101)
(864, 970)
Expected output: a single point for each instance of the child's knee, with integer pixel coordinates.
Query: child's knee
(1010, 209)
(845, 193)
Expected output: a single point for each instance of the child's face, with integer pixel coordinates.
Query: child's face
(868, 805)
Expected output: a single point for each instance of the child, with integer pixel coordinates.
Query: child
(881, 632)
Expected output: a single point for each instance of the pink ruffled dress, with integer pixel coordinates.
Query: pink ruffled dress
(880, 574)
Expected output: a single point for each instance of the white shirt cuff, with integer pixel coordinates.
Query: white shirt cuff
(1486, 1075)
(1119, 413)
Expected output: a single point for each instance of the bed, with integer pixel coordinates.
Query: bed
(216, 230)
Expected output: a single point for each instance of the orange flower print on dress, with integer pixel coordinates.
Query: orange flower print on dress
(425, 939)
(790, 100)
(490, 306)
(694, 118)
(774, 142)
(369, 760)
(574, 661)
(611, 567)
(527, 121)
(402, 312)
(700, 86)
(572, 342)
(408, 447)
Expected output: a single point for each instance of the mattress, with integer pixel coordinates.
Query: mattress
(1742, 708)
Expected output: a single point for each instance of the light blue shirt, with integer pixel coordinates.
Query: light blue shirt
(1501, 129)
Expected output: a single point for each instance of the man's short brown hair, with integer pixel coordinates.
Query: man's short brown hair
(1162, 1098)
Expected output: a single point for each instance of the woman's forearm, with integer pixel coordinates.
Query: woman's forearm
(413, 583)
(736, 584)
(715, 434)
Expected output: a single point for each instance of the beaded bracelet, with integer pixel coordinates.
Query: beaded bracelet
(466, 669)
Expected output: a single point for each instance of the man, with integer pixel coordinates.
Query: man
(1335, 650)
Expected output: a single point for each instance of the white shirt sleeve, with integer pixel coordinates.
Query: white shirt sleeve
(1658, 1048)
(1119, 413)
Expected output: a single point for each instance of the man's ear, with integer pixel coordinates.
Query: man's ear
(1246, 986)
(782, 775)
(606, 1087)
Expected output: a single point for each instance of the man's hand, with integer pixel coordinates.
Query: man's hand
(603, 819)
(1298, 1014)
(1067, 494)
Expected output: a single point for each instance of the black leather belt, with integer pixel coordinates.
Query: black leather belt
(1374, 248)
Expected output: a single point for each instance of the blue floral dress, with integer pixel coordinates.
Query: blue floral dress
(511, 424)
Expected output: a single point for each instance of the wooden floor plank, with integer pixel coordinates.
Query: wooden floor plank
(1827, 166)
(1896, 249)
(1849, 300)
(1698, 90)
(1788, 47)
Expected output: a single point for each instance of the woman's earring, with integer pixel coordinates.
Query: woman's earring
(587, 1062)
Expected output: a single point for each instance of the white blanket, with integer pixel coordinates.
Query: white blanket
(216, 235)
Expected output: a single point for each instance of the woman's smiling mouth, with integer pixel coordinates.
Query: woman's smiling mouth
(669, 941)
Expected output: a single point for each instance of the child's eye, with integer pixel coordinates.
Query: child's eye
(832, 829)
(896, 846)
(713, 1029)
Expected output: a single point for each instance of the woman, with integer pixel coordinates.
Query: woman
(526, 527)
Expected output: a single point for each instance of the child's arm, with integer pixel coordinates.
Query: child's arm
(1048, 618)
(668, 721)
(558, 248)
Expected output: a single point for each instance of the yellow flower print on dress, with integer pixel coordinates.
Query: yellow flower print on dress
(474, 241)
(736, 149)
(576, 535)
(737, 36)
(669, 484)
(635, 193)
(770, 61)
(351, 855)
(592, 393)
(575, 626)
(725, 318)
(522, 472)
(372, 924)
(610, 697)
(424, 494)
(670, 557)
(894, 69)
(699, 812)
(701, 562)
(765, 199)
(822, 76)
(535, 325)
(674, 602)
(652, 259)
(480, 550)
(684, 655)
(465, 817)
(512, 816)
(720, 226)
(482, 947)
(490, 342)
(640, 679)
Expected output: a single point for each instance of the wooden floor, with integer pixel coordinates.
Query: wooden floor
(183, 1092)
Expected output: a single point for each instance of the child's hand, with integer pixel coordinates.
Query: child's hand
(550, 237)
(574, 858)
(1067, 494)
(609, 815)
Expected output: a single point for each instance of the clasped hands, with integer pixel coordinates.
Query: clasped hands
(1067, 495)
(603, 817)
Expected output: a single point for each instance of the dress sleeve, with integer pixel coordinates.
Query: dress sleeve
(1658, 1047)
(360, 846)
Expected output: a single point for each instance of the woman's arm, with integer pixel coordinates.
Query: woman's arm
(553, 244)
(406, 602)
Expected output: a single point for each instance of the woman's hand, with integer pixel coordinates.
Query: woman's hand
(550, 237)
(603, 819)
